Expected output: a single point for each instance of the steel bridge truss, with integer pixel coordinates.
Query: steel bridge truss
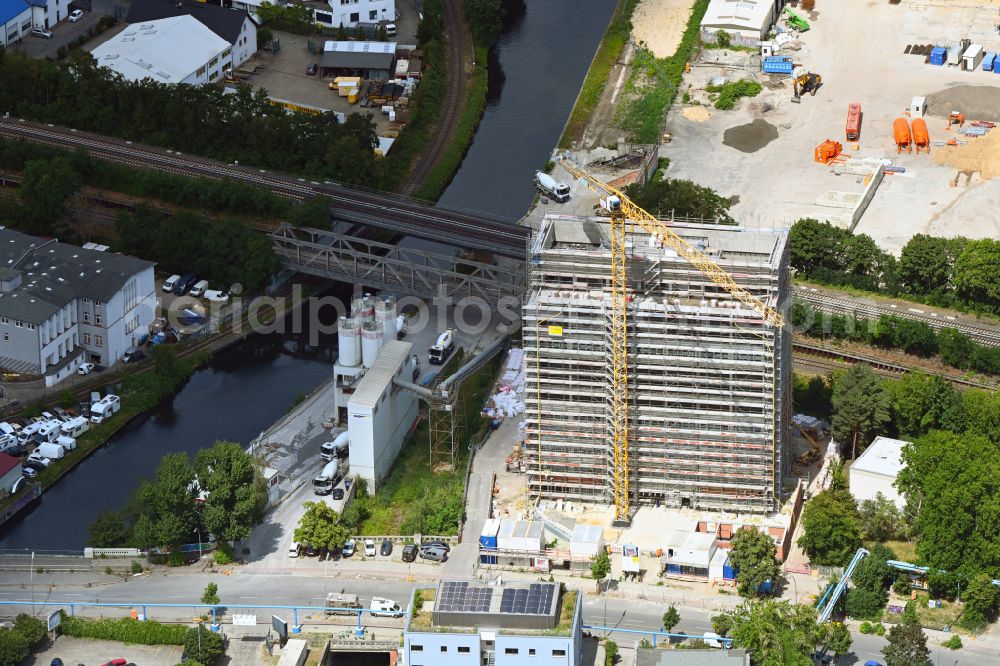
(403, 270)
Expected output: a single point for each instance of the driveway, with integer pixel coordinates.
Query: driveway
(65, 33)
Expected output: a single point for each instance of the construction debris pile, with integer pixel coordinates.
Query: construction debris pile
(981, 154)
(509, 400)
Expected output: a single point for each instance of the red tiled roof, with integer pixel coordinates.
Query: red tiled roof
(7, 463)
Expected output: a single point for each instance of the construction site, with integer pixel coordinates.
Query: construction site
(657, 369)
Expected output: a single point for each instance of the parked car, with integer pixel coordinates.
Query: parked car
(311, 69)
(37, 457)
(349, 547)
(437, 544)
(311, 550)
(170, 283)
(409, 552)
(116, 662)
(382, 607)
(56, 662)
(434, 554)
(62, 414)
(199, 288)
(29, 472)
(369, 548)
(41, 32)
(386, 549)
(85, 369)
(338, 494)
(132, 355)
(184, 285)
(33, 464)
(293, 549)
(217, 296)
(75, 15)
(390, 30)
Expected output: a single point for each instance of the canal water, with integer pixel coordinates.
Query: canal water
(535, 71)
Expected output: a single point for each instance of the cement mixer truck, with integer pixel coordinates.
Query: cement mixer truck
(442, 349)
(551, 188)
(328, 478)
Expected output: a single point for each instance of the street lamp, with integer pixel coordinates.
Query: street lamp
(198, 530)
(31, 573)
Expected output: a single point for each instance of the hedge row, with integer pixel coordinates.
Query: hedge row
(125, 630)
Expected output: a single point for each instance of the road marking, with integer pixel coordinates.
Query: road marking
(248, 597)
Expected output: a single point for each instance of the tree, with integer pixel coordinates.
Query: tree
(955, 347)
(723, 39)
(907, 642)
(13, 647)
(865, 604)
(682, 198)
(976, 270)
(952, 486)
(926, 263)
(165, 364)
(45, 187)
(776, 632)
(981, 601)
(813, 245)
(210, 595)
(237, 493)
(33, 629)
(108, 530)
(314, 212)
(670, 619)
(600, 567)
(166, 506)
(752, 552)
(838, 639)
(830, 525)
(485, 19)
(320, 527)
(203, 645)
(880, 518)
(860, 407)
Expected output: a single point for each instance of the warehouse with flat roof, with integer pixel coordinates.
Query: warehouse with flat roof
(747, 21)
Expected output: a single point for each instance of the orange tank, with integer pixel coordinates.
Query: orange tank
(901, 132)
(920, 137)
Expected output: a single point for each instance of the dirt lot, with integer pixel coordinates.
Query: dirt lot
(659, 24)
(768, 162)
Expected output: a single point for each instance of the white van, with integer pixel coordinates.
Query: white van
(68, 443)
(104, 408)
(75, 427)
(293, 549)
(29, 433)
(199, 288)
(386, 608)
(170, 283)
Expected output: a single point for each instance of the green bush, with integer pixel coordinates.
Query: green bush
(953, 643)
(730, 93)
(32, 628)
(125, 630)
(610, 652)
(13, 647)
(866, 627)
(203, 645)
(879, 629)
(902, 586)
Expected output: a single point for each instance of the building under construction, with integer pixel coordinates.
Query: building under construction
(708, 379)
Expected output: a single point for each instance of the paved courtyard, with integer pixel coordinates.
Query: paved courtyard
(85, 651)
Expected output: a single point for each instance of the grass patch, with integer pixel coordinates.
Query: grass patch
(475, 103)
(608, 52)
(654, 82)
(421, 620)
(730, 93)
(566, 613)
(416, 499)
(906, 551)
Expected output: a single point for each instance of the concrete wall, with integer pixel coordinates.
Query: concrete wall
(865, 485)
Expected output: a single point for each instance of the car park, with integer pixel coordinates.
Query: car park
(386, 548)
(434, 554)
(75, 15)
(349, 547)
(369, 548)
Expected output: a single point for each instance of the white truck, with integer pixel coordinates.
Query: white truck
(442, 349)
(328, 478)
(51, 451)
(552, 188)
(382, 607)
(104, 408)
(337, 448)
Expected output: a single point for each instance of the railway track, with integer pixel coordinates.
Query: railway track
(454, 29)
(826, 358)
(984, 335)
(461, 229)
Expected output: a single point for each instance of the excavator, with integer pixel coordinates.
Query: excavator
(805, 83)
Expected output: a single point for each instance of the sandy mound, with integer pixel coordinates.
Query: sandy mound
(751, 137)
(982, 155)
(976, 102)
(660, 24)
(698, 114)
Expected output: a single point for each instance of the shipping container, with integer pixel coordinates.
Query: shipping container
(955, 54)
(938, 55)
(488, 539)
(972, 57)
(853, 128)
(729, 571)
(988, 61)
(777, 67)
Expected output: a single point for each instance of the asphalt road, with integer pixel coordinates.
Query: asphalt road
(241, 589)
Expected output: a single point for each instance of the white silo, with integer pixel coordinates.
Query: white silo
(371, 342)
(385, 315)
(349, 341)
(363, 307)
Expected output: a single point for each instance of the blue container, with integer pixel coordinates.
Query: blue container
(777, 67)
(766, 587)
(938, 55)
(988, 62)
(673, 568)
(729, 571)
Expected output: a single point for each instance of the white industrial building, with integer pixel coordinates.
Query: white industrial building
(349, 13)
(15, 21)
(876, 469)
(177, 49)
(689, 553)
(746, 21)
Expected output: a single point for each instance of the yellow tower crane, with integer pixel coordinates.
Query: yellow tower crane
(624, 212)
